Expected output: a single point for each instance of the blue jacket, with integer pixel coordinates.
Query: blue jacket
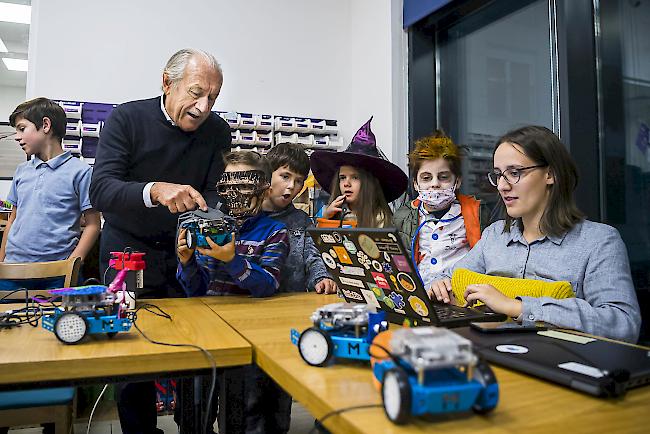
(261, 250)
(304, 267)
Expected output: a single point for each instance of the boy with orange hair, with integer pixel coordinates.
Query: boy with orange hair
(441, 225)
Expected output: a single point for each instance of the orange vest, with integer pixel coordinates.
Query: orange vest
(469, 209)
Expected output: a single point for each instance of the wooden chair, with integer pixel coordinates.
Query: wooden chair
(54, 405)
(68, 269)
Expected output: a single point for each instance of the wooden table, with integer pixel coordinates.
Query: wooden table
(33, 357)
(526, 404)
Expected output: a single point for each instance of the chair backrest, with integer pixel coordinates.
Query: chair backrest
(68, 268)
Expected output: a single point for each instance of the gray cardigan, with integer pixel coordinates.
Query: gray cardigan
(304, 267)
(591, 256)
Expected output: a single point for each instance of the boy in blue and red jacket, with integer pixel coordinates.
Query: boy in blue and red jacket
(251, 262)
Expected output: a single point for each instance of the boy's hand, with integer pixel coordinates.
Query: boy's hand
(184, 253)
(441, 290)
(334, 207)
(177, 197)
(222, 253)
(326, 286)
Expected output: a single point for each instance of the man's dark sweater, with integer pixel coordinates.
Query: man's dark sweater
(139, 145)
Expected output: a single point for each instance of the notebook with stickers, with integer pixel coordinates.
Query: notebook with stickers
(372, 266)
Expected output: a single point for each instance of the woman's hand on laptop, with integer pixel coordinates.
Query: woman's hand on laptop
(326, 286)
(441, 290)
(493, 298)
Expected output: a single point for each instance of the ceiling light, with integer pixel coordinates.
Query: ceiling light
(13, 13)
(3, 47)
(15, 64)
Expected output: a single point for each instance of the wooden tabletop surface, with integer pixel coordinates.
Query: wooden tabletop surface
(526, 404)
(29, 354)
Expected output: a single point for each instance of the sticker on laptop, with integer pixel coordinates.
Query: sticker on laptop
(387, 268)
(328, 260)
(401, 263)
(327, 238)
(342, 254)
(380, 280)
(389, 303)
(337, 237)
(377, 266)
(351, 282)
(363, 260)
(352, 295)
(418, 305)
(370, 297)
(349, 246)
(394, 280)
(369, 246)
(352, 271)
(582, 369)
(379, 293)
(406, 282)
(512, 349)
(398, 299)
(386, 257)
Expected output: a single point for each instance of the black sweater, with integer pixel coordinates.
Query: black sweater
(139, 145)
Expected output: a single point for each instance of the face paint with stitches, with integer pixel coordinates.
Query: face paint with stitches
(242, 191)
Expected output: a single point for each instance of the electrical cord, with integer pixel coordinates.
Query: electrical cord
(90, 419)
(315, 429)
(149, 308)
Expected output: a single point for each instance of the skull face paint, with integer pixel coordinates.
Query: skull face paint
(242, 191)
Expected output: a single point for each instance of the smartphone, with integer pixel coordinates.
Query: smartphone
(506, 327)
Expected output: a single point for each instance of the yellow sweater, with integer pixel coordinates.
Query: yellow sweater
(511, 287)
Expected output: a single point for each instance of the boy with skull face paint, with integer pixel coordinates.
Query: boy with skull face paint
(250, 264)
(441, 225)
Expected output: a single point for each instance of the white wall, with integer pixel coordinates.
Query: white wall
(10, 97)
(321, 58)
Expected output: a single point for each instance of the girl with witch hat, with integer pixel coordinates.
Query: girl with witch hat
(361, 182)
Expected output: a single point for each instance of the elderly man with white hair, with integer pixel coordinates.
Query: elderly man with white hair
(158, 157)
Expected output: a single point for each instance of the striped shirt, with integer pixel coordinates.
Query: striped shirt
(261, 249)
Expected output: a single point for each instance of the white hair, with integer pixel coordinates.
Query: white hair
(175, 67)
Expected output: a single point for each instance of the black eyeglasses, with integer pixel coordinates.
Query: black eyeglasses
(511, 176)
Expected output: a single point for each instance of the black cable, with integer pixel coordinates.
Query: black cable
(314, 430)
(147, 307)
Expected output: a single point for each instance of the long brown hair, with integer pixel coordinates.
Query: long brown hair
(372, 210)
(543, 147)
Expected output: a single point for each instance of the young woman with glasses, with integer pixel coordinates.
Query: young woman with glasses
(545, 237)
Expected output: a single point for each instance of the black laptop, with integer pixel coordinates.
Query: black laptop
(372, 266)
(594, 366)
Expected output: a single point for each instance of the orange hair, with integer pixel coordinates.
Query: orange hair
(432, 147)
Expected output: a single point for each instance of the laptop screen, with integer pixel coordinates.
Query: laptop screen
(372, 266)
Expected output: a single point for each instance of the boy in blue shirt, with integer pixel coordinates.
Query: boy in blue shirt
(250, 264)
(304, 269)
(49, 194)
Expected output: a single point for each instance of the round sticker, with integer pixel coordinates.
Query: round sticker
(369, 246)
(329, 261)
(386, 256)
(406, 282)
(512, 349)
(332, 253)
(377, 266)
(418, 305)
(337, 237)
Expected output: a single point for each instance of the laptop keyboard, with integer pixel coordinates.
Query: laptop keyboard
(448, 311)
